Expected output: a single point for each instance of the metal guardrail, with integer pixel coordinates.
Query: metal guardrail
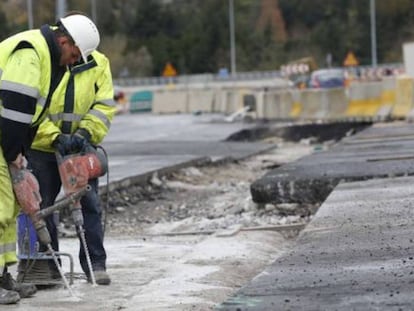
(199, 78)
(209, 77)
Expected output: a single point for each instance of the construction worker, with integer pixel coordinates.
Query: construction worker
(32, 63)
(80, 113)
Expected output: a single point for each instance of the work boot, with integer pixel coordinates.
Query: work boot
(8, 296)
(23, 289)
(101, 278)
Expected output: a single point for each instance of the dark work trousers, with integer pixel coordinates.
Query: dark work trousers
(44, 167)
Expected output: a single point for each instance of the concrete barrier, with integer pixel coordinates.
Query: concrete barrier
(274, 105)
(364, 99)
(315, 104)
(219, 104)
(337, 103)
(403, 97)
(388, 93)
(170, 101)
(310, 104)
(232, 101)
(297, 105)
(201, 100)
(389, 85)
(140, 102)
(392, 97)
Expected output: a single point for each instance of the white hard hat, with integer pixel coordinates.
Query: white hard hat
(83, 32)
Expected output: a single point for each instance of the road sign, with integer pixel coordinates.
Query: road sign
(169, 70)
(350, 60)
(293, 69)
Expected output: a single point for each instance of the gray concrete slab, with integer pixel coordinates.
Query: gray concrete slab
(356, 254)
(140, 144)
(385, 150)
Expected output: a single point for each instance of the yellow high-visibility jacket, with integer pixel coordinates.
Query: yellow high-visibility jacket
(29, 72)
(84, 99)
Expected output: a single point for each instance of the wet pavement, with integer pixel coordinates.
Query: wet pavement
(140, 144)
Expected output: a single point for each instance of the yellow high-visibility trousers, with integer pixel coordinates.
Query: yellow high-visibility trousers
(8, 212)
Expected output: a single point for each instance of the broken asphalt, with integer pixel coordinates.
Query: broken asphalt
(357, 253)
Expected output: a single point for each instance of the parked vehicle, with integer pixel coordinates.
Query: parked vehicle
(327, 78)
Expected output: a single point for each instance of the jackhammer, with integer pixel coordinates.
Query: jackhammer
(75, 171)
(26, 189)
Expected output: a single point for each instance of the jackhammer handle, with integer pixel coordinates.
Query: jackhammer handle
(68, 200)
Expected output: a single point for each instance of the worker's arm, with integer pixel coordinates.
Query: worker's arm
(19, 91)
(97, 121)
(46, 134)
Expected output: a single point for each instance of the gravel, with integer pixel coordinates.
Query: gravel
(209, 197)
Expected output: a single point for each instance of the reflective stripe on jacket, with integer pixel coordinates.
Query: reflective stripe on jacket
(83, 99)
(36, 81)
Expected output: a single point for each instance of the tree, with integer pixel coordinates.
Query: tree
(143, 35)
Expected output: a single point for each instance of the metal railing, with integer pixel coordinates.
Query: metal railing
(198, 78)
(210, 77)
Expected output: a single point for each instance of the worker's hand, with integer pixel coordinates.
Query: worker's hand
(79, 140)
(78, 143)
(62, 144)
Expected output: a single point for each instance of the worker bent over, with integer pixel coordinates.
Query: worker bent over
(32, 64)
(80, 115)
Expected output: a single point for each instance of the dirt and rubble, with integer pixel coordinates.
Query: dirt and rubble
(178, 242)
(205, 198)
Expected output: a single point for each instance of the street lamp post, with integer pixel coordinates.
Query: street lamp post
(232, 40)
(60, 9)
(94, 15)
(30, 14)
(373, 34)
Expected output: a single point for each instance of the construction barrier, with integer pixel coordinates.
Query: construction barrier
(275, 105)
(140, 102)
(231, 101)
(201, 100)
(364, 99)
(219, 104)
(170, 101)
(403, 97)
(337, 103)
(314, 104)
(297, 106)
(388, 94)
(391, 97)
